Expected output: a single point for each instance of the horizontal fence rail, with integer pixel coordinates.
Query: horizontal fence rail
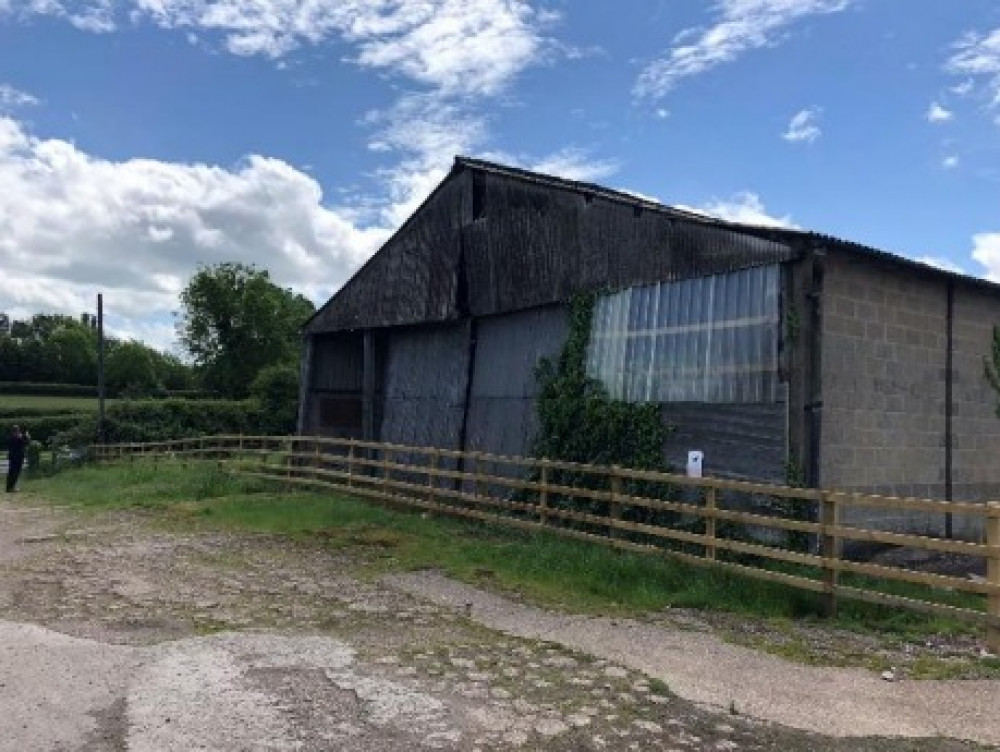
(793, 536)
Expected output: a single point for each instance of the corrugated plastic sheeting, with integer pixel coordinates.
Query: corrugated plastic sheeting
(707, 339)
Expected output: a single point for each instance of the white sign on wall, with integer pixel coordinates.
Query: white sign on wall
(694, 464)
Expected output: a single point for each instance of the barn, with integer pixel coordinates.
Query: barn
(778, 353)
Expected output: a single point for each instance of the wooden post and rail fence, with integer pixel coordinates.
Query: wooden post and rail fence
(734, 525)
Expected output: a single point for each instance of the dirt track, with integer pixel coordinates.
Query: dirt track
(117, 635)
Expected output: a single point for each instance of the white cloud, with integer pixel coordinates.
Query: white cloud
(11, 98)
(950, 162)
(746, 208)
(88, 15)
(462, 46)
(977, 58)
(804, 126)
(739, 26)
(135, 228)
(986, 250)
(938, 114)
(574, 164)
(72, 225)
(963, 89)
(941, 263)
(426, 132)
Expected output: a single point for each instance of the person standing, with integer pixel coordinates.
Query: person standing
(16, 446)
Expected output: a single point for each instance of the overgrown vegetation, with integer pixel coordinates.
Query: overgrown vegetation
(240, 329)
(991, 365)
(578, 420)
(160, 420)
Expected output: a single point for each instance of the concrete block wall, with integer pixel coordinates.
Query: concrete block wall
(975, 425)
(884, 376)
(884, 358)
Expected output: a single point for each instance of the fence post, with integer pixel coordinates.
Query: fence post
(316, 458)
(475, 474)
(829, 550)
(350, 463)
(543, 493)
(386, 455)
(435, 460)
(993, 575)
(711, 504)
(615, 510)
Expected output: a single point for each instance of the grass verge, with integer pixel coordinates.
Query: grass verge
(547, 569)
(47, 404)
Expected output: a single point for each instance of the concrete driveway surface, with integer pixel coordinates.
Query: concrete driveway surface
(116, 634)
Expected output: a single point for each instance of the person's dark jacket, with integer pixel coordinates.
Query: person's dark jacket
(15, 449)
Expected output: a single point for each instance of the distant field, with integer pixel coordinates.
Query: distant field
(50, 404)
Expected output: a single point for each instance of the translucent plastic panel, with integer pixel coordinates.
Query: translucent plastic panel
(709, 339)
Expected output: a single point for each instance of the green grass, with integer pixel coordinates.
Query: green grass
(547, 569)
(46, 404)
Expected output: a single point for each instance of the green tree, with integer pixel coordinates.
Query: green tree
(130, 368)
(991, 364)
(74, 350)
(276, 391)
(235, 321)
(174, 374)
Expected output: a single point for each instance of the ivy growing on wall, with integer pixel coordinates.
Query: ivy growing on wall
(991, 365)
(579, 421)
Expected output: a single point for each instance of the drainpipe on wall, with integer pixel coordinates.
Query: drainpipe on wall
(814, 394)
(949, 408)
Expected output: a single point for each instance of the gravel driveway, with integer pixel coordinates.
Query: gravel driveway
(117, 634)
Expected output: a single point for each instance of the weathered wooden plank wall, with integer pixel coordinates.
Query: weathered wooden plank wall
(487, 243)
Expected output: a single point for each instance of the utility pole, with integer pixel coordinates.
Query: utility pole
(100, 368)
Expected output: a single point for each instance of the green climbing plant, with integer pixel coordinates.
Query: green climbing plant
(579, 421)
(991, 365)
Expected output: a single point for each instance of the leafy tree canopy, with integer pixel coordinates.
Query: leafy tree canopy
(234, 322)
(53, 348)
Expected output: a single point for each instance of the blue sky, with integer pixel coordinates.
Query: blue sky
(139, 138)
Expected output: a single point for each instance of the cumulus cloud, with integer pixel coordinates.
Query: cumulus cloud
(938, 114)
(986, 250)
(804, 126)
(738, 27)
(72, 225)
(745, 207)
(950, 162)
